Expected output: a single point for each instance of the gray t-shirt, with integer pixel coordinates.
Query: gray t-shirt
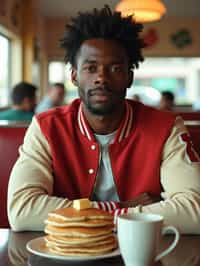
(105, 189)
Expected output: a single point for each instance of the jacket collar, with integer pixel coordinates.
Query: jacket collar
(123, 131)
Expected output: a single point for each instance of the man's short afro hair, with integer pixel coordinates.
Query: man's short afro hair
(104, 24)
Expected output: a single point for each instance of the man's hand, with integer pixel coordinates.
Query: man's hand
(142, 199)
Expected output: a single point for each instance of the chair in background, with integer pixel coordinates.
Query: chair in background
(11, 137)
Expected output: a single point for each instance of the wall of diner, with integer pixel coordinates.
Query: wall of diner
(164, 30)
(21, 22)
(36, 39)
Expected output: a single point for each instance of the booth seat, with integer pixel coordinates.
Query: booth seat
(11, 137)
(192, 116)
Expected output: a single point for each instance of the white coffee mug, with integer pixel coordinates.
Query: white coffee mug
(138, 234)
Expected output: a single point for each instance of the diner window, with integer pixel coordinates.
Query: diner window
(5, 68)
(180, 75)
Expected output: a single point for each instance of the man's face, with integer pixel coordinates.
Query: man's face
(165, 103)
(29, 104)
(102, 75)
(57, 95)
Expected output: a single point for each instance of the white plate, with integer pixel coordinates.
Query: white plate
(37, 246)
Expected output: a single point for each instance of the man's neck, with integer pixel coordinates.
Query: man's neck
(105, 124)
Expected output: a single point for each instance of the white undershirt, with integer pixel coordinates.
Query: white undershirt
(105, 189)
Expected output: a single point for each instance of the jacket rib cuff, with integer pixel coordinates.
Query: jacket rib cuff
(109, 206)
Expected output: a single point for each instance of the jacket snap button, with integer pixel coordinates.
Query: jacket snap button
(93, 147)
(91, 171)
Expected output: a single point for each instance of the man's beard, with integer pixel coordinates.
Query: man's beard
(103, 109)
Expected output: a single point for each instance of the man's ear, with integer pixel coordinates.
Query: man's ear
(74, 76)
(130, 78)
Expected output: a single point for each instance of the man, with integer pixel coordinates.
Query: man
(102, 146)
(136, 97)
(54, 97)
(166, 101)
(23, 103)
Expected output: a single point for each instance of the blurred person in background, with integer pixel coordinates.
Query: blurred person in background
(136, 97)
(23, 103)
(167, 101)
(55, 97)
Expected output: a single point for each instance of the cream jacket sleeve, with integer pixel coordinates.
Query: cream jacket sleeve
(180, 179)
(30, 186)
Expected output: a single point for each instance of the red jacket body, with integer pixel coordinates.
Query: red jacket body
(135, 154)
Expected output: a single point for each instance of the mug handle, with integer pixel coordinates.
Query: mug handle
(165, 230)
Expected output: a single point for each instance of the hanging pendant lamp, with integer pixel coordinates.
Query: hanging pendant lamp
(142, 10)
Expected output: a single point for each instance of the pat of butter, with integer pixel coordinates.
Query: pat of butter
(81, 204)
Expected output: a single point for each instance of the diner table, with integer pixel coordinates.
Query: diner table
(13, 252)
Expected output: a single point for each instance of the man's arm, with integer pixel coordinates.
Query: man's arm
(31, 184)
(142, 199)
(180, 178)
(30, 187)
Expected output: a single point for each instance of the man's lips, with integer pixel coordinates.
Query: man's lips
(100, 95)
(100, 92)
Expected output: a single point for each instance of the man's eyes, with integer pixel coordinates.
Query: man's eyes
(108, 69)
(90, 68)
(117, 68)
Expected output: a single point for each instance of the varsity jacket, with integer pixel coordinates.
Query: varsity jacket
(135, 153)
(59, 161)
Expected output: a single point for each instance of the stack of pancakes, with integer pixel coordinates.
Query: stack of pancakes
(86, 232)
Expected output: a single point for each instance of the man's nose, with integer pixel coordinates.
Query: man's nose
(102, 75)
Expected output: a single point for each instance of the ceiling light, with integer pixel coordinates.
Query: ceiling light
(142, 10)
